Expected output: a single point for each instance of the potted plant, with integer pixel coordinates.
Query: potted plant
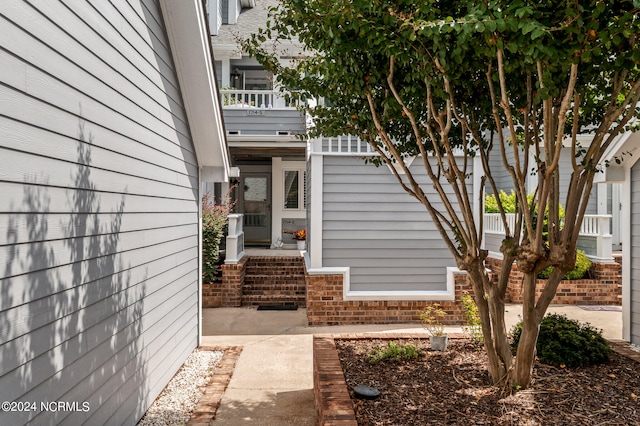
(300, 236)
(431, 319)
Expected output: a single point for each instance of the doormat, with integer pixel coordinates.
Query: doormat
(277, 307)
(600, 308)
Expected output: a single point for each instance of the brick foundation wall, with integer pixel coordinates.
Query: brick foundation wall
(227, 293)
(604, 289)
(325, 305)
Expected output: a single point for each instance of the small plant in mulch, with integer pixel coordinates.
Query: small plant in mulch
(566, 342)
(473, 329)
(393, 352)
(431, 319)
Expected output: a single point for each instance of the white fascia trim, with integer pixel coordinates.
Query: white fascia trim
(617, 146)
(191, 51)
(231, 51)
(626, 255)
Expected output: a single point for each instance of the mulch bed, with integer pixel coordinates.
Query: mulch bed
(453, 388)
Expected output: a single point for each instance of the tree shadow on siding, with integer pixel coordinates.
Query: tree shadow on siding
(71, 310)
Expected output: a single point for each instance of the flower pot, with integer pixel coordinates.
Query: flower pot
(439, 343)
(302, 244)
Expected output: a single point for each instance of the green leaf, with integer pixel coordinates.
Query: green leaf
(536, 33)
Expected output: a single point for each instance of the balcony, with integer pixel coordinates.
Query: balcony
(260, 113)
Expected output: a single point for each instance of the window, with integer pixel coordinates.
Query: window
(294, 189)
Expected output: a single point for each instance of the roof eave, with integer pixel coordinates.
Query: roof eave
(190, 45)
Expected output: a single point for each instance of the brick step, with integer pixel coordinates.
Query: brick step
(272, 300)
(273, 279)
(281, 289)
(279, 261)
(270, 288)
(284, 271)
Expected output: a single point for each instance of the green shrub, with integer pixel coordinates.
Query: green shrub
(567, 342)
(508, 202)
(214, 223)
(509, 205)
(583, 266)
(393, 352)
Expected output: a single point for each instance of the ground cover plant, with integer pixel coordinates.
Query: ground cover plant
(453, 388)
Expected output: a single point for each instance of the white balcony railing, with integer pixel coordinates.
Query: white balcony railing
(235, 239)
(349, 145)
(493, 222)
(594, 232)
(343, 145)
(265, 99)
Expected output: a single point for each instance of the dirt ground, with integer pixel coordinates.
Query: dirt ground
(453, 388)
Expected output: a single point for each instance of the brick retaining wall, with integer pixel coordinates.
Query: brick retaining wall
(227, 293)
(325, 305)
(604, 289)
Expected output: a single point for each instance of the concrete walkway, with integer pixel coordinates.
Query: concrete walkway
(272, 383)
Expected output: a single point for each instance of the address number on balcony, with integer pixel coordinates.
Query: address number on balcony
(256, 112)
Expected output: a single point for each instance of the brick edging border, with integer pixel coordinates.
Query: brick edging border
(331, 394)
(207, 407)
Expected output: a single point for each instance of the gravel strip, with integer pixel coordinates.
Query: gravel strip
(178, 400)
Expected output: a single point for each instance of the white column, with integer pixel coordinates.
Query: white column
(626, 255)
(603, 242)
(315, 215)
(277, 199)
(225, 71)
(235, 239)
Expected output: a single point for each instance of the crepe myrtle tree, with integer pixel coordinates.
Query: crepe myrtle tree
(515, 80)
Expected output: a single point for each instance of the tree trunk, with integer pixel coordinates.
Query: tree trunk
(532, 313)
(491, 310)
(526, 354)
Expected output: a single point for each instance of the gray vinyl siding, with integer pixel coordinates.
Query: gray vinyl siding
(370, 225)
(566, 168)
(504, 181)
(225, 11)
(499, 172)
(218, 66)
(263, 121)
(634, 253)
(492, 241)
(98, 213)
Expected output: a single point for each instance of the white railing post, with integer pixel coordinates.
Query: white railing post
(235, 239)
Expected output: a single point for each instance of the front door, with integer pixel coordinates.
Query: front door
(255, 204)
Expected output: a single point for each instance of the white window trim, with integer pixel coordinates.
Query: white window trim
(301, 198)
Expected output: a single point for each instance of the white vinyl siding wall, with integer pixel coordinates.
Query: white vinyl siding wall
(634, 255)
(98, 213)
(372, 226)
